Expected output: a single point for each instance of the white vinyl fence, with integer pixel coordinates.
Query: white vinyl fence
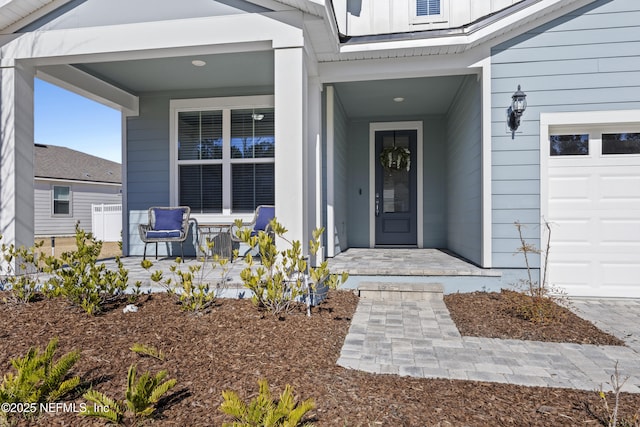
(106, 222)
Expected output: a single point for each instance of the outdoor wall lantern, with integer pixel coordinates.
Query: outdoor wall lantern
(518, 105)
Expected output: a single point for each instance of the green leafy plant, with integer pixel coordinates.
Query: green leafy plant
(264, 411)
(22, 270)
(147, 350)
(193, 287)
(38, 379)
(78, 277)
(283, 278)
(538, 302)
(141, 397)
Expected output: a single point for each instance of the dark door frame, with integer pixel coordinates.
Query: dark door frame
(386, 126)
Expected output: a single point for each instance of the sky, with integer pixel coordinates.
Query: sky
(69, 120)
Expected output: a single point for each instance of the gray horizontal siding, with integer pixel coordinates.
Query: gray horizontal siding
(588, 60)
(83, 195)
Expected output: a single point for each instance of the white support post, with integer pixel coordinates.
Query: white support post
(16, 155)
(289, 97)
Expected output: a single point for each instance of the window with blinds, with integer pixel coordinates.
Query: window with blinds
(226, 159)
(427, 7)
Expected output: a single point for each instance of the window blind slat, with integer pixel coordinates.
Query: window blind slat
(201, 188)
(252, 185)
(427, 7)
(252, 148)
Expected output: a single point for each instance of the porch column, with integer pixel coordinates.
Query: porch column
(16, 155)
(289, 102)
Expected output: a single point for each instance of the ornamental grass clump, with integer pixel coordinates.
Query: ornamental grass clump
(264, 410)
(284, 278)
(37, 380)
(141, 398)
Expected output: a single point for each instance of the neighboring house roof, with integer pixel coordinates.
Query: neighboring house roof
(54, 162)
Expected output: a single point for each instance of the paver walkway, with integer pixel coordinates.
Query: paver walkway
(419, 339)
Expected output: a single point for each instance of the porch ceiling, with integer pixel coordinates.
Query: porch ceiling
(178, 73)
(375, 98)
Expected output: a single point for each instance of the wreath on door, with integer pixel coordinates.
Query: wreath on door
(395, 158)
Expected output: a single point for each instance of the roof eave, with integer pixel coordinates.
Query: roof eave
(508, 20)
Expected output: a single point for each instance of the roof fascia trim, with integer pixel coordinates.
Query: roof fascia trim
(84, 84)
(154, 39)
(480, 33)
(33, 16)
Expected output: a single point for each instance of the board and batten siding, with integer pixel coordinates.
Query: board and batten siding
(83, 195)
(464, 172)
(588, 60)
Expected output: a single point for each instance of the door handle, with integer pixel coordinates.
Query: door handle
(377, 204)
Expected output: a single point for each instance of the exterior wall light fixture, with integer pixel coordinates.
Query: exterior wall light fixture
(514, 112)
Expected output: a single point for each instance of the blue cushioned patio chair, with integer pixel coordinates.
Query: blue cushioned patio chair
(263, 215)
(166, 224)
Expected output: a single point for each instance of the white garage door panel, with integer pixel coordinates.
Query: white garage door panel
(567, 274)
(593, 206)
(620, 274)
(566, 189)
(570, 232)
(624, 233)
(621, 188)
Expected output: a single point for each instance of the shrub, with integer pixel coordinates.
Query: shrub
(193, 287)
(264, 411)
(83, 281)
(141, 397)
(284, 277)
(538, 302)
(38, 379)
(22, 271)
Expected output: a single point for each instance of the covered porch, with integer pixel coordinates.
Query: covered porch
(441, 199)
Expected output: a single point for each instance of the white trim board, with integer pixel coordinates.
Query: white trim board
(373, 128)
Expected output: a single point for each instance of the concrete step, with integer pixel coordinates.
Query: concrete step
(397, 291)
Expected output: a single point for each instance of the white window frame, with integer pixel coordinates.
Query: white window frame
(53, 201)
(226, 105)
(427, 19)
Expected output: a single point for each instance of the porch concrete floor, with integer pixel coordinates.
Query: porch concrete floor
(404, 262)
(355, 261)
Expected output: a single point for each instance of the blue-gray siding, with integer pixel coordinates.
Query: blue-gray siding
(588, 60)
(464, 172)
(340, 176)
(148, 155)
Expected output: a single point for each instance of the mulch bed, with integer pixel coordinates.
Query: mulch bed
(493, 315)
(234, 345)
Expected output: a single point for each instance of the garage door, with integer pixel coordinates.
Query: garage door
(594, 210)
